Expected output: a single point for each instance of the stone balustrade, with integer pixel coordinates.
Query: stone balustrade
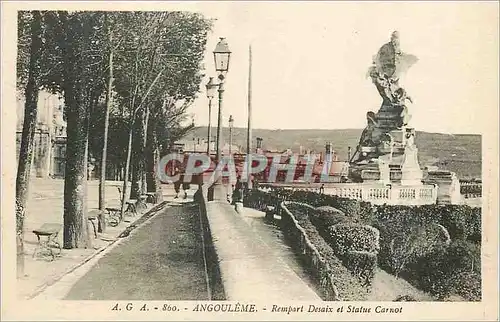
(375, 193)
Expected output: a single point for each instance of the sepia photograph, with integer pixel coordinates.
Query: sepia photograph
(283, 160)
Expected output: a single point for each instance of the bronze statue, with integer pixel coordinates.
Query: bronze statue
(389, 64)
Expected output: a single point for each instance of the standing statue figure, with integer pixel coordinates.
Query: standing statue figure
(388, 65)
(391, 61)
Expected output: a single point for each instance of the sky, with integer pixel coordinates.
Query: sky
(310, 62)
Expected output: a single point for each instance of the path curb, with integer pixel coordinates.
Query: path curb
(125, 233)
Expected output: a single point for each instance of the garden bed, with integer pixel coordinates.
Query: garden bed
(336, 282)
(457, 254)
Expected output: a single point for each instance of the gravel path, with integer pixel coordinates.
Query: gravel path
(162, 260)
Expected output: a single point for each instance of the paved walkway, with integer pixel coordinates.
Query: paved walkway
(163, 260)
(271, 235)
(252, 268)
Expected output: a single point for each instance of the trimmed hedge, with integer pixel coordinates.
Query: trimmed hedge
(357, 246)
(348, 285)
(329, 210)
(327, 216)
(354, 244)
(436, 271)
(461, 221)
(449, 269)
(345, 238)
(362, 264)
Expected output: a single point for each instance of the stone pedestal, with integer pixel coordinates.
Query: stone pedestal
(411, 174)
(448, 186)
(384, 170)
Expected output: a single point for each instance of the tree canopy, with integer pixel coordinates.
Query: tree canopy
(156, 59)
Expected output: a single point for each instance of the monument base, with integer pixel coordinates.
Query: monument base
(448, 186)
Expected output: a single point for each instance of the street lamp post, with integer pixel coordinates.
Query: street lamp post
(221, 58)
(211, 87)
(231, 123)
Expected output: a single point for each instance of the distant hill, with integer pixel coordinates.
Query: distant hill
(460, 153)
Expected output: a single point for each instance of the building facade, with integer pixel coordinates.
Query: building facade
(49, 146)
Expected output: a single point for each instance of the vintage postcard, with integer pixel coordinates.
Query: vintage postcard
(231, 160)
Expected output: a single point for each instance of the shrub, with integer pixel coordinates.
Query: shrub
(463, 222)
(362, 264)
(466, 284)
(348, 285)
(325, 217)
(404, 248)
(409, 242)
(329, 210)
(353, 237)
(449, 269)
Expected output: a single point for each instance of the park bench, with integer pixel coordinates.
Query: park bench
(131, 206)
(131, 203)
(142, 201)
(151, 197)
(47, 236)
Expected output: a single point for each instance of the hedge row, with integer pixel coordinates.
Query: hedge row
(449, 269)
(362, 264)
(347, 284)
(410, 236)
(461, 221)
(346, 238)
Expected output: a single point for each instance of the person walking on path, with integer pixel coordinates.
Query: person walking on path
(180, 182)
(237, 197)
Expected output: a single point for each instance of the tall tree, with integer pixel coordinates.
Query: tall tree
(28, 134)
(82, 76)
(109, 94)
(164, 49)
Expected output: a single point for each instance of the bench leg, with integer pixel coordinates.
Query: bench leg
(52, 253)
(44, 245)
(93, 226)
(131, 208)
(56, 242)
(37, 248)
(53, 240)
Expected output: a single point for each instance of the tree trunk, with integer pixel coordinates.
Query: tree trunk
(137, 157)
(75, 223)
(144, 187)
(126, 171)
(85, 182)
(149, 156)
(26, 149)
(152, 158)
(102, 181)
